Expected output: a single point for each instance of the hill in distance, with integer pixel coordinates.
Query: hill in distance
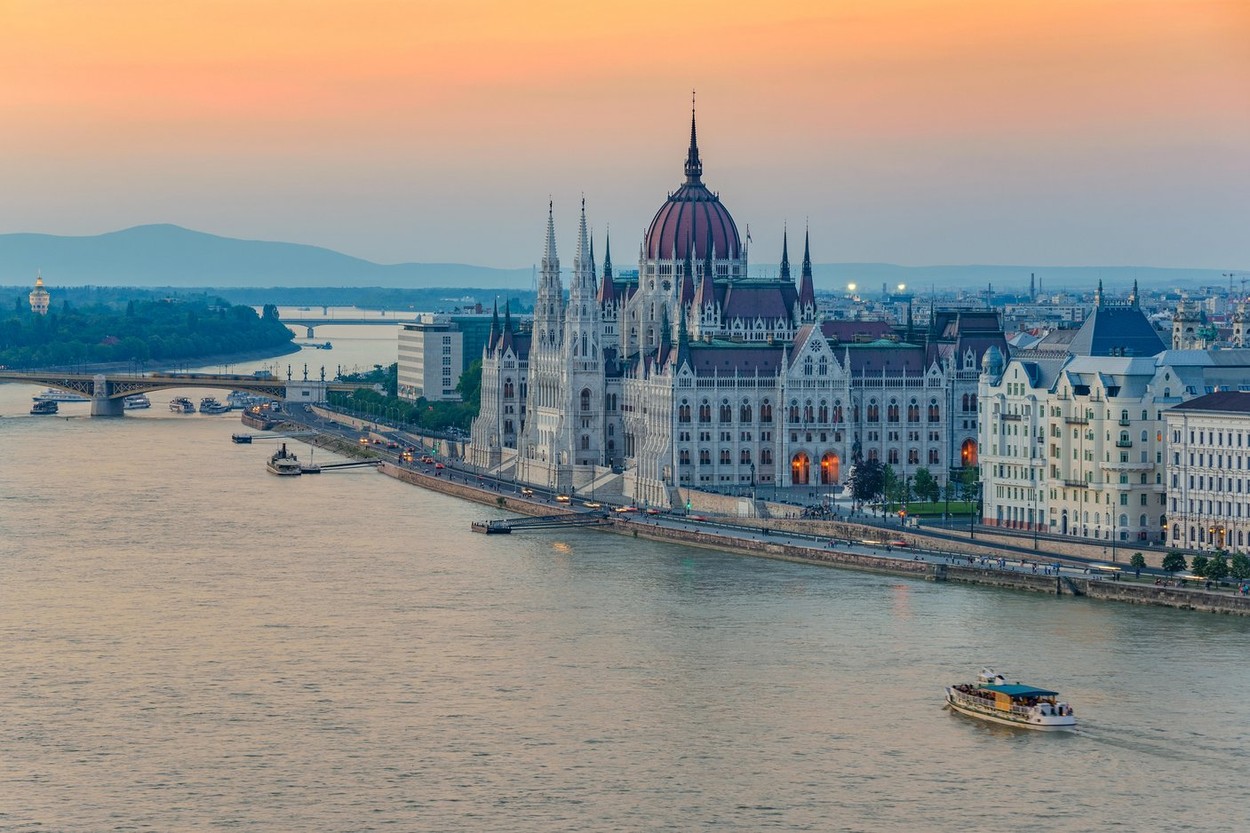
(172, 256)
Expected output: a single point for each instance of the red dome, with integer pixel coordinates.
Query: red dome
(693, 214)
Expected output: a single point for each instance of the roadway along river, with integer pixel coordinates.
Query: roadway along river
(189, 643)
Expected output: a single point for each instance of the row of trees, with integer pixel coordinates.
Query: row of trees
(377, 398)
(1217, 566)
(873, 482)
(138, 330)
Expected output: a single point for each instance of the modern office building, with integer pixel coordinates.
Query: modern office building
(431, 359)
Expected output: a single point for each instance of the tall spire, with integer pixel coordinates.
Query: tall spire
(494, 325)
(807, 289)
(507, 315)
(607, 255)
(785, 255)
(694, 168)
(549, 256)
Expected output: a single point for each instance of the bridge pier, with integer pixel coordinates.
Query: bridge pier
(311, 333)
(101, 404)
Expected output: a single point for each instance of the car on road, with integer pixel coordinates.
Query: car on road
(625, 509)
(592, 504)
(563, 499)
(527, 491)
(439, 466)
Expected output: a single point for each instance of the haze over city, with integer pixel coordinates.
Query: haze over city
(1097, 132)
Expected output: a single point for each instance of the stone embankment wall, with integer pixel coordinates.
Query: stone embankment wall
(759, 544)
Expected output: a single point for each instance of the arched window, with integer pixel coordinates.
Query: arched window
(683, 457)
(585, 399)
(913, 409)
(837, 412)
(808, 414)
(824, 366)
(683, 412)
(872, 454)
(800, 469)
(822, 413)
(794, 412)
(968, 453)
(892, 455)
(726, 412)
(508, 390)
(744, 413)
(934, 413)
(913, 456)
(585, 442)
(830, 469)
(874, 411)
(807, 366)
(766, 456)
(705, 411)
(766, 411)
(891, 412)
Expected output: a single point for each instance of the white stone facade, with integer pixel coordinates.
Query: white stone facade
(1208, 472)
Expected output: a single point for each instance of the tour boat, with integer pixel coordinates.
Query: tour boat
(182, 405)
(136, 401)
(54, 395)
(43, 407)
(992, 698)
(209, 405)
(283, 463)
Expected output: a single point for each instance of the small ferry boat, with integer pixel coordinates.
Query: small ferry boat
(210, 405)
(181, 405)
(992, 698)
(283, 463)
(241, 439)
(44, 407)
(238, 400)
(136, 402)
(54, 395)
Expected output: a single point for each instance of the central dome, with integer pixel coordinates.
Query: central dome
(692, 220)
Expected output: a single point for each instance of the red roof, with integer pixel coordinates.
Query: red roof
(692, 216)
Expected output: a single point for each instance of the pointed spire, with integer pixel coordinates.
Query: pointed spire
(785, 255)
(1098, 294)
(666, 330)
(550, 258)
(1133, 299)
(709, 252)
(687, 277)
(507, 316)
(807, 288)
(494, 326)
(607, 254)
(694, 167)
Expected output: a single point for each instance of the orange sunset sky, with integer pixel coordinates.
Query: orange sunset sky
(1082, 132)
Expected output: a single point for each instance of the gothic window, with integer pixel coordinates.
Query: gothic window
(585, 399)
(683, 412)
(913, 410)
(808, 413)
(807, 366)
(891, 412)
(872, 454)
(913, 456)
(794, 411)
(893, 456)
(822, 416)
(766, 411)
(874, 411)
(965, 403)
(508, 389)
(705, 457)
(726, 412)
(933, 456)
(746, 457)
(744, 413)
(837, 412)
(611, 430)
(934, 413)
(724, 457)
(824, 366)
(766, 456)
(705, 412)
(683, 457)
(507, 426)
(585, 442)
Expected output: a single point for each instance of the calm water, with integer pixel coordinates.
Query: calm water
(189, 643)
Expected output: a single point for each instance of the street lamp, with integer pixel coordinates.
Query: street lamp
(972, 510)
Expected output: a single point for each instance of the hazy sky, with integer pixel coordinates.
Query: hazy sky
(1083, 132)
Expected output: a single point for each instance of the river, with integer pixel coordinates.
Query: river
(189, 643)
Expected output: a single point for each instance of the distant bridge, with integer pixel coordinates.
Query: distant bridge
(313, 323)
(108, 390)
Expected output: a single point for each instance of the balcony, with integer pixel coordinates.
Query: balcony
(1138, 466)
(1123, 443)
(1076, 420)
(1125, 423)
(1011, 417)
(1074, 484)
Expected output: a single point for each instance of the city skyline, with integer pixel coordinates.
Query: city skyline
(911, 132)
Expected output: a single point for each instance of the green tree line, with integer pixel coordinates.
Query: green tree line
(140, 330)
(421, 414)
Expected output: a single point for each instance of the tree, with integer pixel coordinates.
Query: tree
(867, 480)
(968, 481)
(1137, 561)
(1239, 567)
(927, 486)
(470, 385)
(1217, 566)
(1174, 561)
(1198, 565)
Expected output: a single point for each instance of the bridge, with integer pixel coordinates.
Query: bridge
(313, 322)
(108, 390)
(505, 526)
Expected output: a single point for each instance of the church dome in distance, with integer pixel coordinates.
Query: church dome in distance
(692, 219)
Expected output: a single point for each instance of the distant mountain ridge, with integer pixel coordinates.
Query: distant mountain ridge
(169, 255)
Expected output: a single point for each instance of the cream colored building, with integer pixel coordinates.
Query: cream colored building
(1208, 471)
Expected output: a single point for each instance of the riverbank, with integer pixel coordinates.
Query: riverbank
(947, 566)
